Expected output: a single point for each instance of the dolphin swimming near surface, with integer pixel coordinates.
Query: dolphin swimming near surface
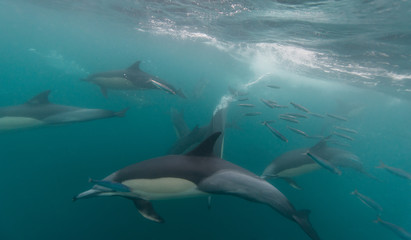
(187, 139)
(297, 162)
(197, 173)
(39, 111)
(131, 78)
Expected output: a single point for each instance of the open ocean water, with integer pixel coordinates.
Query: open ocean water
(347, 58)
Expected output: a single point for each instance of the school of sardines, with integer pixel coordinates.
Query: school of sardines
(194, 166)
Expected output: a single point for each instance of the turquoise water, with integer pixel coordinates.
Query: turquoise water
(347, 58)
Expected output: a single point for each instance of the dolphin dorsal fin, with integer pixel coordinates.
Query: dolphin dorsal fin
(205, 149)
(135, 66)
(41, 98)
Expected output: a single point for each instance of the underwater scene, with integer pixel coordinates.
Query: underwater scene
(136, 119)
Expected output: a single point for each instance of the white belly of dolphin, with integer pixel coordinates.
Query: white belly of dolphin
(10, 123)
(292, 172)
(114, 83)
(163, 188)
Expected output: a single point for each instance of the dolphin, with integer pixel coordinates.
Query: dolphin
(39, 111)
(188, 139)
(131, 78)
(297, 162)
(197, 173)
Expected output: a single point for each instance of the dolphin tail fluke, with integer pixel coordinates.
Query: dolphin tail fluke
(122, 113)
(146, 210)
(301, 217)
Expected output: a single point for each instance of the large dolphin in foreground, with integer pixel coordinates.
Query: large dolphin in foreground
(131, 78)
(39, 111)
(297, 162)
(197, 173)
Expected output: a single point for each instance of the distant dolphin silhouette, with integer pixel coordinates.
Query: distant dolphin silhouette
(297, 162)
(188, 139)
(194, 174)
(131, 78)
(39, 111)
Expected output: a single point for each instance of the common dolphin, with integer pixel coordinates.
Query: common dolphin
(297, 162)
(197, 173)
(131, 78)
(188, 139)
(39, 111)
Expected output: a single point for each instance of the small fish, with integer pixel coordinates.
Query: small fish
(279, 106)
(337, 117)
(115, 186)
(251, 114)
(246, 105)
(297, 131)
(396, 171)
(242, 99)
(297, 115)
(346, 129)
(163, 87)
(324, 163)
(343, 136)
(299, 107)
(368, 201)
(268, 103)
(273, 86)
(287, 116)
(316, 115)
(401, 232)
(293, 120)
(275, 131)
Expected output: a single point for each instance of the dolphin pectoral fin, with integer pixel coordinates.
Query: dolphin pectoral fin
(104, 91)
(301, 217)
(292, 183)
(209, 202)
(146, 209)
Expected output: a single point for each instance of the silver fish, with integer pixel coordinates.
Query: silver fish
(316, 115)
(349, 130)
(401, 232)
(246, 105)
(299, 107)
(298, 131)
(324, 163)
(395, 171)
(337, 117)
(368, 201)
(343, 136)
(275, 131)
(296, 115)
(273, 86)
(293, 120)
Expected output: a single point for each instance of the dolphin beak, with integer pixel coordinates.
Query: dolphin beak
(87, 194)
